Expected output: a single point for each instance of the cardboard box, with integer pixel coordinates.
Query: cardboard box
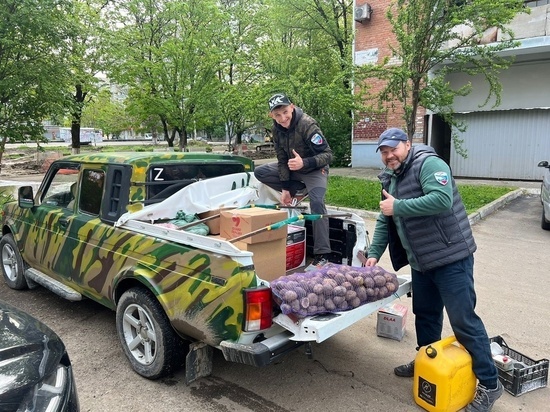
(392, 320)
(269, 257)
(238, 222)
(214, 223)
(295, 247)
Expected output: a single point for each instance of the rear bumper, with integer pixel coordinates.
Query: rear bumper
(260, 353)
(311, 329)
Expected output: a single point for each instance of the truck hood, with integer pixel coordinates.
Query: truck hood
(29, 350)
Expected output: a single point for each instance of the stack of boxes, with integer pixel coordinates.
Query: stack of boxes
(270, 246)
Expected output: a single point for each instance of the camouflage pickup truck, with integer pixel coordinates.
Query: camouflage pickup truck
(96, 229)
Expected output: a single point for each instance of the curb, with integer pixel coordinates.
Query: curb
(500, 202)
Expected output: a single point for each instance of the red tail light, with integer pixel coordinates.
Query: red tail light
(257, 309)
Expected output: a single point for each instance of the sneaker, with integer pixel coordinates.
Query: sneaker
(485, 398)
(318, 262)
(405, 371)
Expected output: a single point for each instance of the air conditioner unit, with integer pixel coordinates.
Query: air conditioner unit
(362, 13)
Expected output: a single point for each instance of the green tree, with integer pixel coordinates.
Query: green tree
(211, 65)
(107, 114)
(432, 39)
(85, 61)
(33, 37)
(167, 55)
(138, 30)
(308, 56)
(240, 100)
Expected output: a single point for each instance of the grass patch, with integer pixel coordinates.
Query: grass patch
(353, 193)
(364, 194)
(5, 197)
(477, 196)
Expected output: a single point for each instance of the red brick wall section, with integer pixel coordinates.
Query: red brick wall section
(376, 34)
(49, 160)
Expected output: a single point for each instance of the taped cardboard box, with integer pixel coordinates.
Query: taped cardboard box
(214, 222)
(239, 222)
(269, 257)
(392, 321)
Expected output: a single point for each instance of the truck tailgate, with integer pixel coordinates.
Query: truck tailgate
(321, 327)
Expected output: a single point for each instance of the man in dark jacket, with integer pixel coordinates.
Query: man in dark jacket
(303, 157)
(424, 223)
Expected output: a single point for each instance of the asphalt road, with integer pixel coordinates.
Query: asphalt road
(352, 371)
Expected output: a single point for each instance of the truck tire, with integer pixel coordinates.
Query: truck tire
(13, 267)
(147, 337)
(545, 224)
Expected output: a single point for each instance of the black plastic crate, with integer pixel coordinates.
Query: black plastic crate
(522, 380)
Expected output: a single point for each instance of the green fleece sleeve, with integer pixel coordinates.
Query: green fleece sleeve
(379, 241)
(436, 181)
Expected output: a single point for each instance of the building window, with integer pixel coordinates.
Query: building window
(536, 3)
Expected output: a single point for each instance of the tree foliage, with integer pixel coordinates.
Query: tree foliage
(212, 65)
(32, 49)
(85, 61)
(307, 54)
(435, 38)
(174, 67)
(109, 115)
(166, 54)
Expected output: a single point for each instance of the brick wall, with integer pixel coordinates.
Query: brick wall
(372, 39)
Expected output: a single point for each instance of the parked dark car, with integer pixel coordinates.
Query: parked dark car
(545, 195)
(35, 370)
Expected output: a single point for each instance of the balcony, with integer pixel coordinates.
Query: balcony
(531, 30)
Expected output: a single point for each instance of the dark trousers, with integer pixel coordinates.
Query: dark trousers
(452, 287)
(316, 185)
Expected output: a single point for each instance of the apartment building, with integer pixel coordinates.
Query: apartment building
(503, 142)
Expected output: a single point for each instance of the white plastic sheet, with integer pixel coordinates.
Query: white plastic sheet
(230, 191)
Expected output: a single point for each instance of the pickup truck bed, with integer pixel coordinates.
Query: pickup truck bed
(316, 328)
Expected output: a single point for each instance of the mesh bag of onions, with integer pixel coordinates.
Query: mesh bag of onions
(333, 288)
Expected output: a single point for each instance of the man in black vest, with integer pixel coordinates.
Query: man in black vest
(423, 222)
(303, 157)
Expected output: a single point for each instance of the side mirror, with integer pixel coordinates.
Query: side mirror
(25, 197)
(543, 163)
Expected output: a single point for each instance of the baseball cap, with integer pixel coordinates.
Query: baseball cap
(391, 137)
(279, 99)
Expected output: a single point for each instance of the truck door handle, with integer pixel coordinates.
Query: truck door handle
(63, 223)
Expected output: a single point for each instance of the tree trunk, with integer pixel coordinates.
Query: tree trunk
(79, 98)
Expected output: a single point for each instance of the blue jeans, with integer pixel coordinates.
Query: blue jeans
(452, 287)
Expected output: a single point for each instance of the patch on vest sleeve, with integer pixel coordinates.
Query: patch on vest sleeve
(317, 139)
(442, 178)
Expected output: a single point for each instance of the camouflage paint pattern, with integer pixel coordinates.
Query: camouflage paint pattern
(200, 291)
(142, 161)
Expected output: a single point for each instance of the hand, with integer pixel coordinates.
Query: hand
(286, 199)
(296, 163)
(386, 205)
(371, 262)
